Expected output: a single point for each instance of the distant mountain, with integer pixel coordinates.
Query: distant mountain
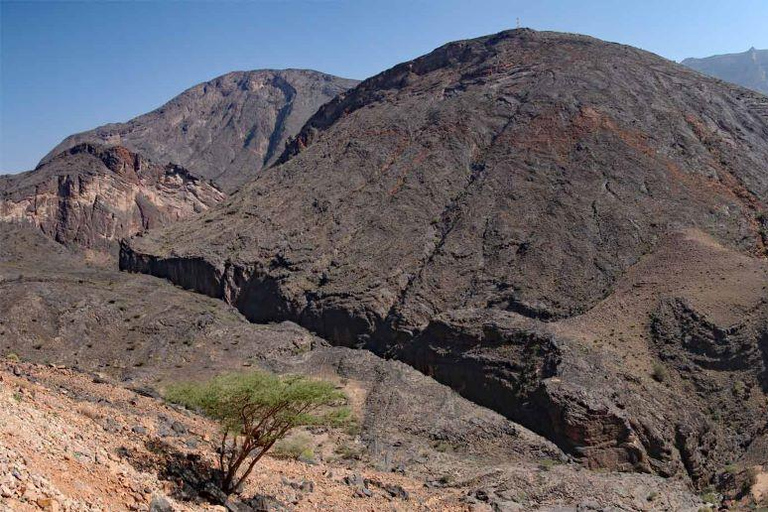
(225, 129)
(749, 69)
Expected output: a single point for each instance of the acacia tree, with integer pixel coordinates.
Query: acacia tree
(255, 410)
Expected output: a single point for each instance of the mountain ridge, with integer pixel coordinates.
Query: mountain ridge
(225, 129)
(748, 69)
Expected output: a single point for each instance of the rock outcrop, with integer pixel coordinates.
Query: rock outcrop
(530, 183)
(226, 129)
(91, 196)
(748, 69)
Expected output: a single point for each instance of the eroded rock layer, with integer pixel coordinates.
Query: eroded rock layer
(91, 196)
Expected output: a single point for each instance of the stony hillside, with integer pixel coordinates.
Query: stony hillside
(518, 216)
(226, 129)
(70, 444)
(749, 69)
(95, 436)
(92, 196)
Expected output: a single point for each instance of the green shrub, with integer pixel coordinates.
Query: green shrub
(294, 448)
(256, 410)
(13, 357)
(345, 451)
(659, 372)
(710, 497)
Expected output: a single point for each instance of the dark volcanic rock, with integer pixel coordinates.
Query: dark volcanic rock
(225, 129)
(748, 69)
(527, 184)
(92, 196)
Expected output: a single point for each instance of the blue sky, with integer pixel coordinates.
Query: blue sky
(70, 66)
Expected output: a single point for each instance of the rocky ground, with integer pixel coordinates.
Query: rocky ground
(535, 262)
(134, 332)
(70, 442)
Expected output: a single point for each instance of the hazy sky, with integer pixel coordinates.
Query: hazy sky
(67, 67)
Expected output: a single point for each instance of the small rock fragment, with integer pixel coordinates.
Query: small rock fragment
(160, 504)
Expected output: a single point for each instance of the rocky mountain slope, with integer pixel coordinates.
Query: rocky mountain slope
(92, 195)
(748, 69)
(518, 216)
(226, 129)
(69, 443)
(95, 435)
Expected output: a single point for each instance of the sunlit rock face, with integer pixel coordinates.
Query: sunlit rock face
(92, 196)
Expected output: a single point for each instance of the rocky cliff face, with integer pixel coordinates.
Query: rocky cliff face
(92, 196)
(534, 219)
(225, 129)
(749, 69)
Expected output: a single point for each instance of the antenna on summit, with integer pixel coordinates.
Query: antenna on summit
(518, 22)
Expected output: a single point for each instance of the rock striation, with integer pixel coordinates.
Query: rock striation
(112, 340)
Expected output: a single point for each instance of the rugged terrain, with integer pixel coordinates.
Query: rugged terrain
(68, 443)
(749, 69)
(226, 129)
(92, 196)
(107, 342)
(570, 232)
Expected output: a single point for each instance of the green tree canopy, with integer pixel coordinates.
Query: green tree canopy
(255, 410)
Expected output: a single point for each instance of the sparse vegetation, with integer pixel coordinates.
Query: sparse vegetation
(441, 446)
(297, 447)
(751, 479)
(13, 357)
(659, 372)
(710, 497)
(349, 452)
(256, 410)
(547, 464)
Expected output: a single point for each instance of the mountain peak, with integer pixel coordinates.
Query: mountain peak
(225, 129)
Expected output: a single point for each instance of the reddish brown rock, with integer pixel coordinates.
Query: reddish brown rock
(92, 196)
